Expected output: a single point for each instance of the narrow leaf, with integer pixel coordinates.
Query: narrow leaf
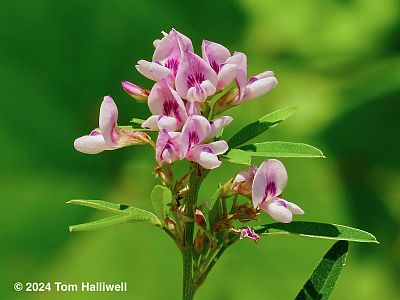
(237, 156)
(160, 197)
(323, 279)
(113, 220)
(317, 230)
(254, 129)
(282, 149)
(136, 214)
(137, 121)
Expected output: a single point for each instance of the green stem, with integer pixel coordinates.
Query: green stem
(187, 249)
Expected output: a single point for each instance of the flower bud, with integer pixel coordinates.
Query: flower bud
(199, 218)
(243, 182)
(135, 91)
(249, 233)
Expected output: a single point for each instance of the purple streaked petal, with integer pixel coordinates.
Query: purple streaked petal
(215, 54)
(164, 100)
(202, 155)
(91, 144)
(196, 130)
(219, 123)
(277, 210)
(168, 146)
(269, 181)
(192, 72)
(259, 88)
(152, 70)
(108, 120)
(170, 48)
(226, 75)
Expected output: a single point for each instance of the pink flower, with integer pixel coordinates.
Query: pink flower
(168, 147)
(249, 233)
(195, 80)
(243, 182)
(135, 91)
(198, 130)
(216, 56)
(167, 56)
(167, 108)
(245, 89)
(109, 136)
(269, 182)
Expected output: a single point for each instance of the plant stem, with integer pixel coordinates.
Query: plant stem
(187, 250)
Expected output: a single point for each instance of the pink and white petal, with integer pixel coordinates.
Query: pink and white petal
(164, 100)
(168, 146)
(262, 75)
(240, 60)
(218, 147)
(193, 108)
(91, 144)
(202, 155)
(152, 70)
(275, 176)
(295, 209)
(108, 120)
(196, 94)
(215, 54)
(218, 124)
(258, 188)
(192, 71)
(208, 87)
(151, 123)
(277, 210)
(196, 130)
(185, 44)
(226, 75)
(168, 123)
(259, 88)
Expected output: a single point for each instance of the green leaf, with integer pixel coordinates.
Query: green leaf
(237, 156)
(254, 129)
(282, 149)
(317, 230)
(323, 279)
(135, 214)
(160, 197)
(137, 121)
(113, 220)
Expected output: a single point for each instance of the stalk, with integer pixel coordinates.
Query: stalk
(187, 249)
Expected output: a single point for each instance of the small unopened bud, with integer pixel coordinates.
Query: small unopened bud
(135, 91)
(170, 224)
(243, 182)
(200, 220)
(230, 99)
(226, 190)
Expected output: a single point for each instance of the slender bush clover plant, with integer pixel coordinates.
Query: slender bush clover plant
(187, 101)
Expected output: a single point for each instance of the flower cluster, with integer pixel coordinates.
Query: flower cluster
(180, 101)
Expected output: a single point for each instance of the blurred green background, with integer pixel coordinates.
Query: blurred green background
(339, 60)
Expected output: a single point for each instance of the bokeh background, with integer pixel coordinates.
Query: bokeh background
(339, 60)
